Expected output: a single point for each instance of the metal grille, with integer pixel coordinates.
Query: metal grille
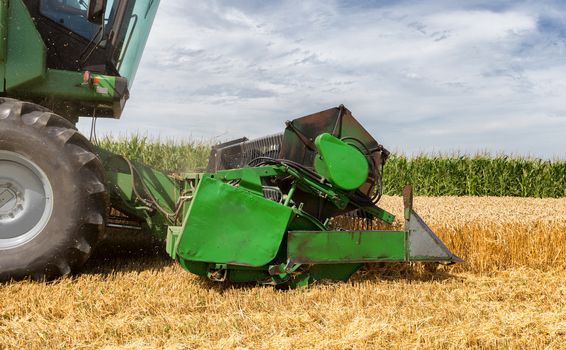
(242, 152)
(272, 193)
(120, 220)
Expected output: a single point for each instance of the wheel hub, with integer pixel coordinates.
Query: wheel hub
(7, 197)
(26, 200)
(11, 201)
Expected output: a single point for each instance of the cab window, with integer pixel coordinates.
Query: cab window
(72, 14)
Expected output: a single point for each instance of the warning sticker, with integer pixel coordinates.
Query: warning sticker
(102, 90)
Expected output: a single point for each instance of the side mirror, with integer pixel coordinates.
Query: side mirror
(95, 12)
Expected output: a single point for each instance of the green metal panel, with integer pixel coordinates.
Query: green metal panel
(313, 247)
(3, 41)
(69, 85)
(196, 267)
(343, 165)
(247, 275)
(250, 177)
(156, 184)
(3, 29)
(24, 73)
(232, 225)
(26, 54)
(149, 183)
(380, 213)
(334, 272)
(173, 233)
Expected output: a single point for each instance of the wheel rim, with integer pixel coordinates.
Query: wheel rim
(26, 200)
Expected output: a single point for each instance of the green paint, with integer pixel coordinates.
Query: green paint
(3, 41)
(329, 272)
(309, 184)
(173, 233)
(335, 272)
(313, 247)
(341, 164)
(247, 275)
(250, 176)
(24, 73)
(150, 184)
(232, 225)
(69, 85)
(26, 59)
(229, 227)
(196, 267)
(380, 213)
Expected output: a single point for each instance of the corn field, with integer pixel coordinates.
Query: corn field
(480, 175)
(165, 155)
(456, 175)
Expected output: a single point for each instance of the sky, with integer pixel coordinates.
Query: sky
(421, 76)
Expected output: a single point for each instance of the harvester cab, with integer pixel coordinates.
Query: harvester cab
(269, 210)
(77, 57)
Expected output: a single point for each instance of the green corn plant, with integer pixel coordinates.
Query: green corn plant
(430, 175)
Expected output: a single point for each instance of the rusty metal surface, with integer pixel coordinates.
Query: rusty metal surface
(337, 121)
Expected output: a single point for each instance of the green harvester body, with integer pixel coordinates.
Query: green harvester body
(44, 60)
(265, 210)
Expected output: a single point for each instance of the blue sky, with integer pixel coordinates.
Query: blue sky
(421, 76)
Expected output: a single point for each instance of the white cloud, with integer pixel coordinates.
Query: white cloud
(421, 77)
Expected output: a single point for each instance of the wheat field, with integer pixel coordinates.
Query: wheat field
(509, 294)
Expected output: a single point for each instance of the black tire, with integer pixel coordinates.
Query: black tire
(78, 208)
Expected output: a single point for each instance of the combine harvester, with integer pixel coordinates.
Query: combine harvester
(261, 212)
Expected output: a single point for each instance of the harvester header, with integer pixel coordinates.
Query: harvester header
(265, 213)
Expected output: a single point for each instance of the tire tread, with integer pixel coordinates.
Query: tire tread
(87, 166)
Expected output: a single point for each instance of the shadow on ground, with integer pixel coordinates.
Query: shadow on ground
(415, 272)
(127, 251)
(394, 272)
(135, 251)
